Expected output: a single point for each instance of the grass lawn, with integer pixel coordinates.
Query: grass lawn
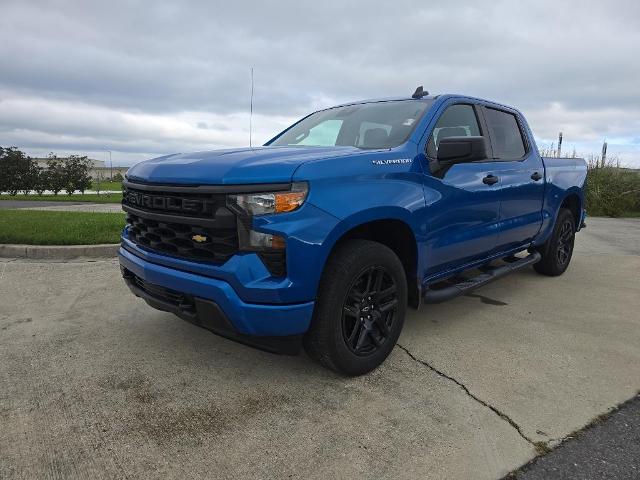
(33, 227)
(107, 186)
(63, 197)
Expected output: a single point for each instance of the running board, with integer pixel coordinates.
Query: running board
(489, 274)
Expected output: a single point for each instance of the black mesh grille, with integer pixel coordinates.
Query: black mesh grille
(171, 296)
(193, 226)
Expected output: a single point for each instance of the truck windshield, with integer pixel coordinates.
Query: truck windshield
(384, 124)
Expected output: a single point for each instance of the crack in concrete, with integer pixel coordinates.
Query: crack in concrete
(537, 445)
(4, 267)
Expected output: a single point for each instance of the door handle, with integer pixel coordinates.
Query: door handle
(536, 176)
(490, 179)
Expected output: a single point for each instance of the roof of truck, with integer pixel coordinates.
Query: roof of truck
(387, 99)
(429, 98)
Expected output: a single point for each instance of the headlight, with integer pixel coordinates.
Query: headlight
(270, 202)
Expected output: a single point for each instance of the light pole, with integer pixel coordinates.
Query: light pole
(110, 164)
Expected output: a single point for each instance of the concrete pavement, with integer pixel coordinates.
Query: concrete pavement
(94, 383)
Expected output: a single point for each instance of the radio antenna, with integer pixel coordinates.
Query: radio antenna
(251, 111)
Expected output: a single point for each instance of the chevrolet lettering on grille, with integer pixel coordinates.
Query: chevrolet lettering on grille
(169, 203)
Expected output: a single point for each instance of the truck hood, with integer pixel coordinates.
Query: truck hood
(232, 166)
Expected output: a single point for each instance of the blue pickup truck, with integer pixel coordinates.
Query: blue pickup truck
(326, 234)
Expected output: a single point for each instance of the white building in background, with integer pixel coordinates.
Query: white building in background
(98, 168)
(42, 162)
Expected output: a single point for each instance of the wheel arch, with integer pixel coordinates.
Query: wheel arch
(573, 202)
(395, 233)
(555, 199)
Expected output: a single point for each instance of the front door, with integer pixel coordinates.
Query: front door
(463, 202)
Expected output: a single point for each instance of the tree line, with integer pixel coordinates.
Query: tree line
(21, 173)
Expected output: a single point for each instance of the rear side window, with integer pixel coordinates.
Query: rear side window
(456, 121)
(506, 136)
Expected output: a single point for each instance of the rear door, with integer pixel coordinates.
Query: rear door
(462, 203)
(520, 173)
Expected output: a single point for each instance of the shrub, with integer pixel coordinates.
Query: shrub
(55, 174)
(42, 181)
(76, 174)
(17, 171)
(20, 173)
(611, 191)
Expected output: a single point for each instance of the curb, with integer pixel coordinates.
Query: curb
(59, 252)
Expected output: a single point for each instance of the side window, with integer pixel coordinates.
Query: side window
(506, 136)
(456, 121)
(324, 134)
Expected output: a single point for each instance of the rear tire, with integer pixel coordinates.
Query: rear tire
(557, 250)
(360, 308)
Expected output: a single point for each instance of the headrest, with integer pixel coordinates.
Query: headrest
(375, 138)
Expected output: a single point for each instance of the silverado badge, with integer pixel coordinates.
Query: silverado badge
(199, 238)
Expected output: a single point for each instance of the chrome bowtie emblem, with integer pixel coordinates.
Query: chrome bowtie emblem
(199, 238)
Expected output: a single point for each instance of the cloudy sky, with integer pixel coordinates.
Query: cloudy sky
(144, 78)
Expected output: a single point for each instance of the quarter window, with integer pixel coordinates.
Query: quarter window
(506, 137)
(456, 121)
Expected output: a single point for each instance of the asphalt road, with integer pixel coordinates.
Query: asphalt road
(95, 384)
(610, 449)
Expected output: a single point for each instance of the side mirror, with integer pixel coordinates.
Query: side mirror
(453, 150)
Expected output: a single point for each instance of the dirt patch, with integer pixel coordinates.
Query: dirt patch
(163, 424)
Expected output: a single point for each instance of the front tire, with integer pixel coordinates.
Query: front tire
(360, 308)
(557, 250)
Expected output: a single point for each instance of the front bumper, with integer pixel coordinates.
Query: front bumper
(215, 299)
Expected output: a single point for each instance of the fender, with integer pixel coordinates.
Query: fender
(560, 185)
(367, 216)
(311, 241)
(414, 267)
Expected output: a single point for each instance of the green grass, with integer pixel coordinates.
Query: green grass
(63, 197)
(33, 227)
(107, 186)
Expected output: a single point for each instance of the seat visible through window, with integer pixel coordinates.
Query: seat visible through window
(375, 138)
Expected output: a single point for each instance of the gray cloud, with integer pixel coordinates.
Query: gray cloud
(151, 77)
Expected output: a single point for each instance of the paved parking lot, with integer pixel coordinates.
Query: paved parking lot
(95, 384)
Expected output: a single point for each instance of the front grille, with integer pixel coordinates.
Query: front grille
(193, 226)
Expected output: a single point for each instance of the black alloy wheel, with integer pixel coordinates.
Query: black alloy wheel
(369, 311)
(566, 239)
(360, 308)
(558, 249)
